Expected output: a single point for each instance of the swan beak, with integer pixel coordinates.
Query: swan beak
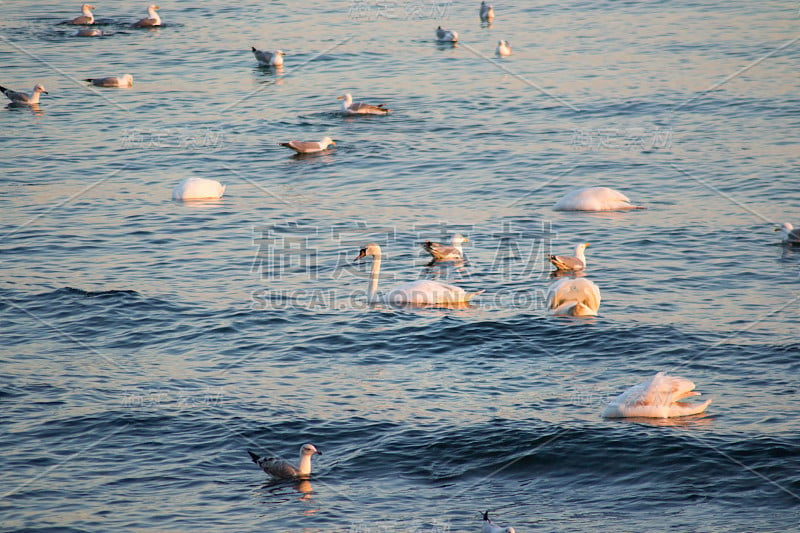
(333, 143)
(587, 244)
(361, 255)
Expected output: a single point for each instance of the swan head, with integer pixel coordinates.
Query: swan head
(372, 249)
(309, 449)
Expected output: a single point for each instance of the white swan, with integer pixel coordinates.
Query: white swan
(486, 12)
(280, 469)
(87, 17)
(503, 48)
(443, 35)
(126, 80)
(789, 235)
(421, 292)
(656, 398)
(268, 59)
(443, 252)
(569, 263)
(22, 98)
(490, 527)
(309, 147)
(152, 19)
(358, 108)
(198, 189)
(573, 297)
(594, 199)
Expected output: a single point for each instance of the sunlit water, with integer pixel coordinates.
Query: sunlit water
(148, 344)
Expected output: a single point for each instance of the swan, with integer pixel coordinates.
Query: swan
(22, 98)
(309, 147)
(486, 12)
(569, 263)
(358, 108)
(443, 252)
(503, 48)
(280, 469)
(87, 17)
(268, 59)
(421, 292)
(573, 297)
(198, 189)
(446, 35)
(789, 235)
(594, 199)
(490, 527)
(656, 398)
(152, 18)
(125, 80)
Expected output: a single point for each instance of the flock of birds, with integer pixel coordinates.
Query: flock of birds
(657, 397)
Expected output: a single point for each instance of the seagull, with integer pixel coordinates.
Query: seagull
(87, 17)
(789, 235)
(152, 19)
(446, 35)
(280, 469)
(487, 12)
(112, 81)
(444, 252)
(268, 59)
(503, 48)
(22, 98)
(309, 147)
(357, 108)
(490, 527)
(569, 263)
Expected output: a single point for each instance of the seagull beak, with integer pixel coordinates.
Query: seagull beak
(340, 97)
(318, 452)
(777, 229)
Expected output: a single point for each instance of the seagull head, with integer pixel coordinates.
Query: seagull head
(40, 88)
(309, 449)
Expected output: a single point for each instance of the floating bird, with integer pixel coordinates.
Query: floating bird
(123, 81)
(789, 235)
(151, 20)
(570, 263)
(487, 12)
(444, 252)
(656, 398)
(22, 98)
(309, 147)
(87, 17)
(280, 469)
(357, 108)
(198, 189)
(91, 32)
(268, 59)
(594, 199)
(420, 292)
(446, 35)
(490, 527)
(503, 48)
(573, 297)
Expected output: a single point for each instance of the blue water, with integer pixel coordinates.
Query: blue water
(148, 344)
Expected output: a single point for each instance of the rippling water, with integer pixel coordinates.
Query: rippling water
(148, 344)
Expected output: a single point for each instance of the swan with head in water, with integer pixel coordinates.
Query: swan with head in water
(573, 297)
(658, 397)
(420, 292)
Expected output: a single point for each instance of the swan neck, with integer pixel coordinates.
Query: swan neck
(374, 273)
